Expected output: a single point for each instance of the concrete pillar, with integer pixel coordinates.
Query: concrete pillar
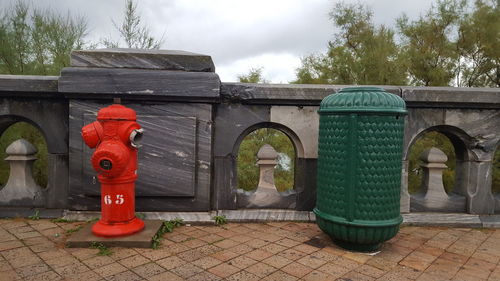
(266, 195)
(21, 189)
(405, 195)
(432, 196)
(267, 160)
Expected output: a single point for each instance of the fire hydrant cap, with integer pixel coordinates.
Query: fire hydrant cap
(116, 112)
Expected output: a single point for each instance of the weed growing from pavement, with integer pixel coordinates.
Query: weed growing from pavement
(103, 250)
(167, 226)
(35, 216)
(220, 220)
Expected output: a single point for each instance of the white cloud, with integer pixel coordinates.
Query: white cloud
(238, 34)
(277, 68)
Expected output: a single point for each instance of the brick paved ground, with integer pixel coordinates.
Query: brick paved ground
(34, 250)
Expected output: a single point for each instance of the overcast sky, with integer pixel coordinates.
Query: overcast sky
(238, 34)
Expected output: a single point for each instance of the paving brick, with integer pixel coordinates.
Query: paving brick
(110, 269)
(46, 276)
(287, 242)
(84, 253)
(292, 254)
(5, 266)
(98, 261)
(370, 271)
(256, 243)
(356, 276)
(280, 276)
(148, 270)
(241, 249)
(154, 254)
(85, 276)
(318, 276)
(32, 269)
(276, 261)
(223, 270)
(443, 268)
(456, 258)
(71, 269)
(243, 276)
(261, 269)
(305, 248)
(242, 262)
(191, 255)
(124, 276)
(226, 244)
(311, 261)
(334, 270)
(208, 262)
(171, 262)
(225, 255)
(240, 238)
(204, 276)
(166, 276)
(258, 254)
(418, 260)
(193, 243)
(357, 257)
(9, 276)
(296, 269)
(187, 270)
(274, 248)
(133, 261)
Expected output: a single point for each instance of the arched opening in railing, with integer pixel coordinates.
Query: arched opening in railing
(24, 130)
(437, 160)
(416, 161)
(266, 156)
(248, 168)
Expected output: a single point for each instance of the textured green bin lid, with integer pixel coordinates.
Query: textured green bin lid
(363, 99)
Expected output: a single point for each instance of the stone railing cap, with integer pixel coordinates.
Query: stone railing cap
(143, 59)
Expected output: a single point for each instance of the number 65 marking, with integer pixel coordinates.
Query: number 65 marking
(119, 199)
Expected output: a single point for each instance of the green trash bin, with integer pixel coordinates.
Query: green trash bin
(359, 167)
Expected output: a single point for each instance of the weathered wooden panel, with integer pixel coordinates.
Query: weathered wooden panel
(145, 59)
(139, 84)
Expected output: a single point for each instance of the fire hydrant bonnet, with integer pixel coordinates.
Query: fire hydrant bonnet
(116, 112)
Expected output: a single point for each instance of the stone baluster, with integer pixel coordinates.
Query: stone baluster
(267, 160)
(432, 196)
(266, 195)
(21, 189)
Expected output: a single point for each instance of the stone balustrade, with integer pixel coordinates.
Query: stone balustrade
(194, 125)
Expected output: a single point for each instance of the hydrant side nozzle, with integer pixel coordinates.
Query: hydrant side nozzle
(92, 134)
(136, 137)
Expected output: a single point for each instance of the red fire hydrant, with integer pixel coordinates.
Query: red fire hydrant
(116, 136)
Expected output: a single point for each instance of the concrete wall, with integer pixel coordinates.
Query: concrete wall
(195, 124)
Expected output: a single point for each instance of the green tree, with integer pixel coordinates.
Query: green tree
(362, 53)
(429, 50)
(132, 32)
(254, 76)
(478, 41)
(34, 41)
